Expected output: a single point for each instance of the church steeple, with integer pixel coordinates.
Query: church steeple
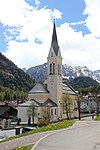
(54, 43)
(54, 63)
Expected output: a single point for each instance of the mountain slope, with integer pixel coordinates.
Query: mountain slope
(83, 82)
(39, 73)
(13, 77)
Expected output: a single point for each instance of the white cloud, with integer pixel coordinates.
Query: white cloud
(14, 12)
(93, 20)
(78, 49)
(30, 24)
(26, 54)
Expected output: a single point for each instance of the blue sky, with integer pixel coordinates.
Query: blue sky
(26, 31)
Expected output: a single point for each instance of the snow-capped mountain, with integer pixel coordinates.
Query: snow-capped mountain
(39, 73)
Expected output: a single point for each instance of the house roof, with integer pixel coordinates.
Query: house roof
(39, 88)
(54, 42)
(27, 103)
(3, 109)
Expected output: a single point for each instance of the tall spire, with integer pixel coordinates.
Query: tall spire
(54, 42)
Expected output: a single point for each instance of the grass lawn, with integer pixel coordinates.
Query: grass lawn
(28, 147)
(52, 126)
(97, 118)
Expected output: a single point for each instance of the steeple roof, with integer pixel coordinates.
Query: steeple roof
(54, 43)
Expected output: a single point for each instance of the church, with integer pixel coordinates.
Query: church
(48, 96)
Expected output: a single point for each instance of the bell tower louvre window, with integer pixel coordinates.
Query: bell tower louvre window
(52, 68)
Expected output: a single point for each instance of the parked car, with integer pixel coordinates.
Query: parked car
(27, 129)
(13, 118)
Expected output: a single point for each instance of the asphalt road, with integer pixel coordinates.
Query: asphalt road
(84, 135)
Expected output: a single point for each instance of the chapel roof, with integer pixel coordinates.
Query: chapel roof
(39, 102)
(68, 88)
(45, 102)
(39, 88)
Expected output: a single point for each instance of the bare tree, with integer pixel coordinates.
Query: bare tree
(67, 104)
(79, 98)
(31, 112)
(45, 117)
(95, 93)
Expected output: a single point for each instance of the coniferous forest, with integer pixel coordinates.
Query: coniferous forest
(14, 82)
